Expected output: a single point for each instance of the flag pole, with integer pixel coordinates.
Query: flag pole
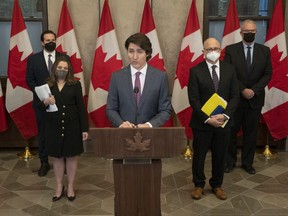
(189, 152)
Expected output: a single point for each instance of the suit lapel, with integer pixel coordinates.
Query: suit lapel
(222, 73)
(43, 62)
(207, 75)
(255, 54)
(128, 84)
(147, 85)
(241, 52)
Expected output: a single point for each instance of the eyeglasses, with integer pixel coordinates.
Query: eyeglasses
(212, 49)
(248, 31)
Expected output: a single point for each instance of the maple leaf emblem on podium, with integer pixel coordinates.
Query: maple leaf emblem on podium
(137, 144)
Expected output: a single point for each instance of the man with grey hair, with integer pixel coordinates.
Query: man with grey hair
(254, 70)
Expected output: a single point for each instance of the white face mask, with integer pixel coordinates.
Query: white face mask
(213, 56)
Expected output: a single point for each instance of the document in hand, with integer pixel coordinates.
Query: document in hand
(215, 105)
(44, 92)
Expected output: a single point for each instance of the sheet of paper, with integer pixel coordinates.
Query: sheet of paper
(44, 92)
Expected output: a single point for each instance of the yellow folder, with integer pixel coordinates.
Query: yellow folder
(214, 105)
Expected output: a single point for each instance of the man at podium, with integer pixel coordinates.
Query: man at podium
(138, 95)
(211, 128)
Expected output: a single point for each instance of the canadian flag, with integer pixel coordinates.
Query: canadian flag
(3, 121)
(149, 29)
(231, 33)
(275, 110)
(67, 43)
(107, 59)
(18, 96)
(190, 55)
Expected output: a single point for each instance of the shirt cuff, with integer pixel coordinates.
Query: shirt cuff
(150, 125)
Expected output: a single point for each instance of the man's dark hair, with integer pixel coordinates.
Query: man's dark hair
(142, 41)
(47, 32)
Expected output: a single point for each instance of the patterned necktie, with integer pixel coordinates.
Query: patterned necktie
(137, 88)
(215, 77)
(50, 63)
(248, 58)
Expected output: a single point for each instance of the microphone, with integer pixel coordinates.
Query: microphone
(136, 91)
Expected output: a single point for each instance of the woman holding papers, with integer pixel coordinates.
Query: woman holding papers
(211, 126)
(67, 127)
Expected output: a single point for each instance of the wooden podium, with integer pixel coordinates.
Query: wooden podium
(137, 165)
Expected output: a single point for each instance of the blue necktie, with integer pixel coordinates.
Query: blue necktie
(215, 78)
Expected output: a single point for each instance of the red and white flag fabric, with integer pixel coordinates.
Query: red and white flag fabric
(18, 96)
(149, 29)
(67, 43)
(231, 33)
(275, 110)
(190, 55)
(107, 59)
(3, 121)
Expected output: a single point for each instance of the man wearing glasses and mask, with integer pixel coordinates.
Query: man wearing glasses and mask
(254, 70)
(209, 77)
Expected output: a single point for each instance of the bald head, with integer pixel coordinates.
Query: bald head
(211, 50)
(211, 43)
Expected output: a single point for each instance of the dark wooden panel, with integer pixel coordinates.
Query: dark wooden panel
(160, 142)
(137, 191)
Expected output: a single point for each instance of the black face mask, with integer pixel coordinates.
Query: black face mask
(249, 37)
(50, 47)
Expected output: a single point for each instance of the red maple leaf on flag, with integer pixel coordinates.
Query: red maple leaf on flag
(191, 46)
(60, 49)
(184, 65)
(157, 62)
(112, 62)
(276, 103)
(18, 96)
(279, 70)
(17, 78)
(76, 64)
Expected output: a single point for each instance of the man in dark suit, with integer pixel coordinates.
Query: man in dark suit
(209, 77)
(253, 66)
(37, 72)
(138, 95)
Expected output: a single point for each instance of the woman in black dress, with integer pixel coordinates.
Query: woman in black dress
(66, 128)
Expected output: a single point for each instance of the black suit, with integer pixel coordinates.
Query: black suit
(248, 112)
(205, 136)
(36, 75)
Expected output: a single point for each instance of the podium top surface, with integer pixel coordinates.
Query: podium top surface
(118, 143)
